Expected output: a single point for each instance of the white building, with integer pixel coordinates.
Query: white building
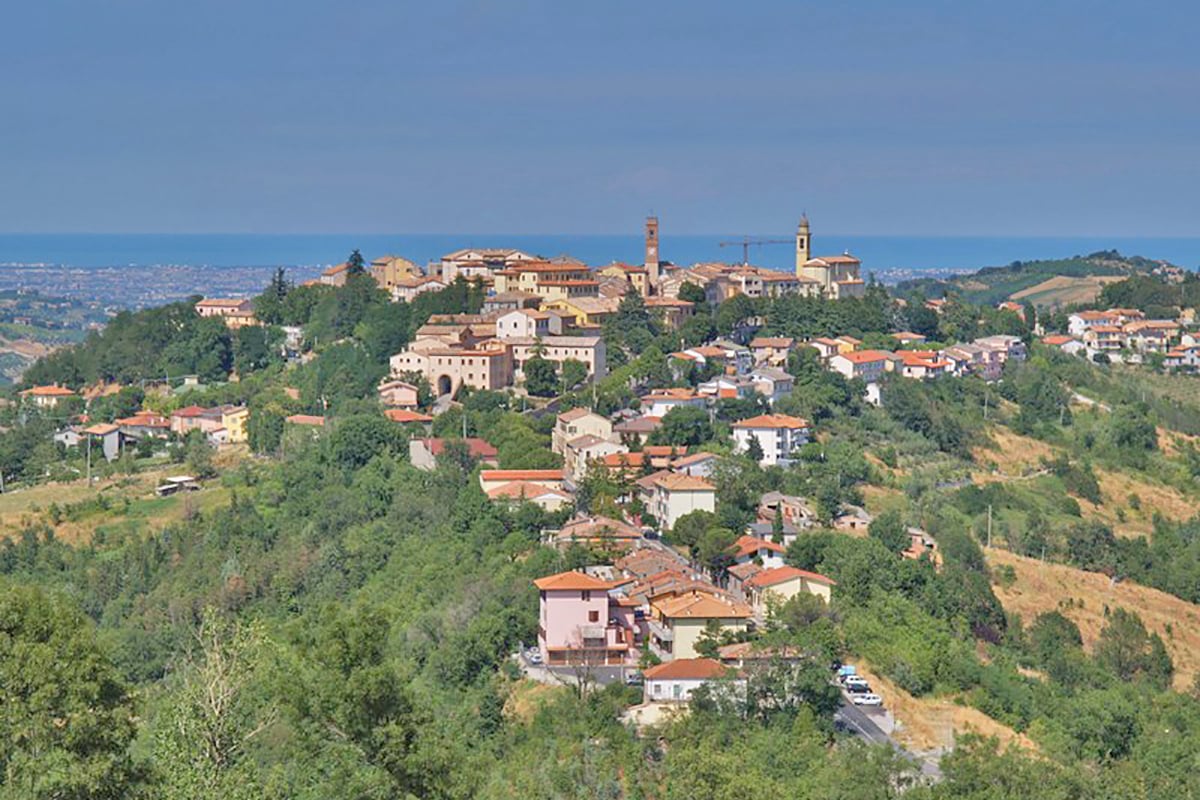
(778, 435)
(674, 681)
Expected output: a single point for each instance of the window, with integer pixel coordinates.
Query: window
(593, 616)
(585, 595)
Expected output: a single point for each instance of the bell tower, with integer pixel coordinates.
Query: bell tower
(652, 252)
(803, 244)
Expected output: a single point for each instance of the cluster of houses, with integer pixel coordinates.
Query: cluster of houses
(1124, 334)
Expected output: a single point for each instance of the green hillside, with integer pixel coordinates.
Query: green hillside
(994, 284)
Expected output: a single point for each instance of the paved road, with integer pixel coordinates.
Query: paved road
(858, 722)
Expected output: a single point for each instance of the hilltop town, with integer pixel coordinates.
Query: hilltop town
(659, 500)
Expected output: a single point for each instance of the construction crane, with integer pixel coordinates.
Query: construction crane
(746, 242)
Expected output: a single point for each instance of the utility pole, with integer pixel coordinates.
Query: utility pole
(989, 527)
(89, 460)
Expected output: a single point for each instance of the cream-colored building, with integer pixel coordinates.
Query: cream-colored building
(586, 349)
(447, 369)
(837, 276)
(778, 585)
(676, 622)
(234, 419)
(235, 312)
(548, 280)
(585, 311)
(579, 422)
(668, 496)
(527, 323)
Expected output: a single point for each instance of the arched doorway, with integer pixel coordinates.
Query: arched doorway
(444, 385)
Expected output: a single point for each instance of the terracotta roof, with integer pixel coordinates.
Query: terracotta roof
(192, 411)
(521, 474)
(679, 482)
(574, 414)
(1057, 339)
(866, 356)
(336, 268)
(772, 421)
(772, 577)
(671, 394)
(686, 669)
(526, 489)
(598, 527)
(49, 391)
(689, 460)
(702, 605)
(908, 336)
(746, 545)
(653, 450)
(145, 419)
(772, 341)
(404, 415)
(647, 424)
(306, 419)
(571, 582)
(101, 429)
(478, 448)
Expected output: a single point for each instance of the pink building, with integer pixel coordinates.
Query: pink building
(580, 623)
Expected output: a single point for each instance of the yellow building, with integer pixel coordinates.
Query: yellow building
(547, 280)
(584, 312)
(676, 622)
(234, 419)
(638, 277)
(388, 271)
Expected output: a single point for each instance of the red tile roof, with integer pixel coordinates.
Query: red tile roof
(478, 448)
(571, 582)
(490, 475)
(404, 415)
(771, 577)
(772, 421)
(747, 545)
(306, 419)
(687, 669)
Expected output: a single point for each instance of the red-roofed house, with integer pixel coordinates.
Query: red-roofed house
(547, 497)
(47, 396)
(403, 415)
(668, 496)
(866, 365)
(750, 548)
(494, 478)
(674, 681)
(580, 623)
(780, 584)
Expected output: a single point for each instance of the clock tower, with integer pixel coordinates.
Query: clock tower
(803, 244)
(652, 251)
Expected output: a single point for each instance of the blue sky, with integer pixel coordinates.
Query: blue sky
(1029, 118)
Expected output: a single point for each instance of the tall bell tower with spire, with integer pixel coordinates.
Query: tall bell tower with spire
(803, 244)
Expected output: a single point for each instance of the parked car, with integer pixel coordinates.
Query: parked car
(534, 657)
(866, 699)
(856, 684)
(634, 679)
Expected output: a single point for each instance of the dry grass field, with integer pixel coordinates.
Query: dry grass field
(1083, 596)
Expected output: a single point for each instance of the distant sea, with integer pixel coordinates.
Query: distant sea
(878, 253)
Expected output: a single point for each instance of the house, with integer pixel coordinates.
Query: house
(969, 359)
(760, 551)
(1104, 338)
(527, 323)
(826, 348)
(766, 530)
(1184, 358)
(780, 584)
(583, 450)
(70, 436)
(233, 420)
(388, 270)
(398, 394)
(922, 364)
(920, 544)
(772, 383)
(669, 495)
(105, 439)
(1151, 335)
(660, 401)
(908, 338)
(405, 290)
(235, 312)
(852, 519)
(510, 301)
(637, 429)
(47, 396)
(493, 478)
(772, 350)
(792, 509)
(579, 422)
(144, 424)
(865, 365)
(698, 465)
(449, 367)
(423, 453)
(677, 621)
(673, 311)
(674, 681)
(585, 312)
(725, 387)
(480, 262)
(778, 436)
(595, 531)
(1068, 344)
(1081, 322)
(546, 497)
(191, 418)
(579, 623)
(1003, 347)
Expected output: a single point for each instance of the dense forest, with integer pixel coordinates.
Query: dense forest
(342, 624)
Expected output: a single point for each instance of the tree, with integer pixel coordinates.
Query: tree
(691, 526)
(68, 720)
(692, 293)
(355, 265)
(541, 377)
(252, 349)
(1126, 650)
(269, 306)
(777, 525)
(574, 372)
(890, 529)
(754, 450)
(715, 549)
(358, 438)
(201, 743)
(683, 426)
